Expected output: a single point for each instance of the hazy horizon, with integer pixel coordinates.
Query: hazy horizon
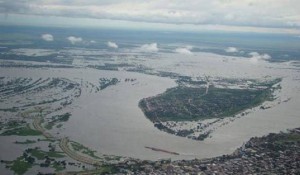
(271, 16)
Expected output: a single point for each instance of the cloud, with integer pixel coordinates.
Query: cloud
(149, 47)
(47, 37)
(112, 45)
(73, 40)
(184, 50)
(231, 50)
(260, 56)
(272, 13)
(256, 57)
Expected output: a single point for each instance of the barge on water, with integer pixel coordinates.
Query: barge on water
(162, 150)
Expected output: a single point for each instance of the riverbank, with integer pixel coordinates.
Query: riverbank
(275, 153)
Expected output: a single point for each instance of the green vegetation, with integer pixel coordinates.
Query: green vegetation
(80, 148)
(58, 166)
(188, 104)
(46, 140)
(22, 131)
(203, 136)
(105, 82)
(40, 154)
(288, 137)
(107, 170)
(268, 84)
(20, 165)
(63, 118)
(55, 154)
(12, 124)
(59, 125)
(141, 69)
(57, 119)
(293, 138)
(188, 80)
(49, 125)
(109, 66)
(28, 159)
(26, 142)
(13, 109)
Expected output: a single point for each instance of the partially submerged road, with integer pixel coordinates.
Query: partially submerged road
(64, 144)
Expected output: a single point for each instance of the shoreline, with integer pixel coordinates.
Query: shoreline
(258, 155)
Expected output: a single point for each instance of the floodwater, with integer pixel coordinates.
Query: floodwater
(111, 122)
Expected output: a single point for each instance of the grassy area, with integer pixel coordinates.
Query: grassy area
(55, 154)
(188, 104)
(20, 166)
(57, 167)
(14, 124)
(22, 131)
(289, 137)
(107, 170)
(57, 119)
(80, 148)
(40, 154)
(293, 138)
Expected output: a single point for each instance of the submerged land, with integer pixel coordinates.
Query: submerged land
(88, 109)
(192, 101)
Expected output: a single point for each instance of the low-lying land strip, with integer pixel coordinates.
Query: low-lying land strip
(64, 146)
(37, 125)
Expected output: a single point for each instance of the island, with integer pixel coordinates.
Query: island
(193, 101)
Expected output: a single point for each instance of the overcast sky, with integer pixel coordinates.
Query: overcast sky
(243, 14)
